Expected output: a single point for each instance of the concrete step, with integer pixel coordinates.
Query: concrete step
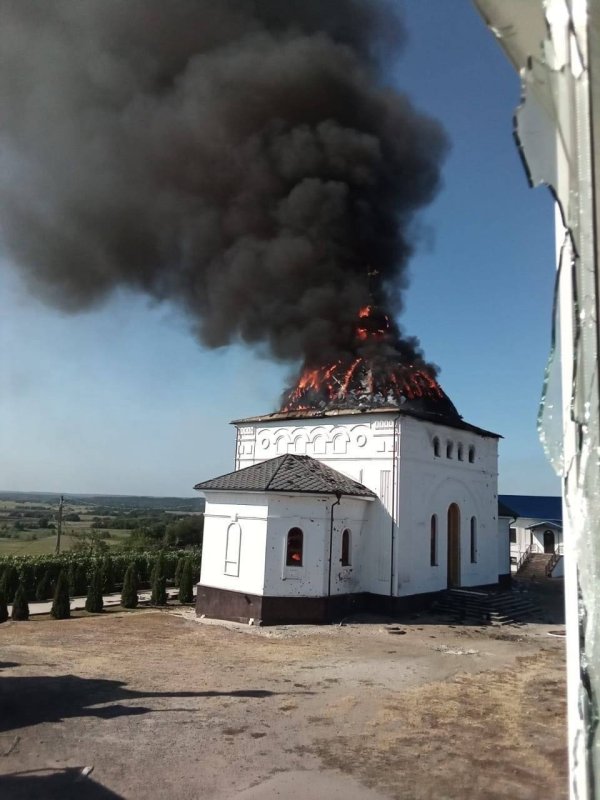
(495, 607)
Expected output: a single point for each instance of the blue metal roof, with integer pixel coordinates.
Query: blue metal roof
(533, 506)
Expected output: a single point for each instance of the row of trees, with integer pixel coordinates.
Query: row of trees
(61, 602)
(39, 574)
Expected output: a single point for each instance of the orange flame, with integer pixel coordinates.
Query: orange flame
(393, 382)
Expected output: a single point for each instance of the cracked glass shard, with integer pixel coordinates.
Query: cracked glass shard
(550, 417)
(556, 128)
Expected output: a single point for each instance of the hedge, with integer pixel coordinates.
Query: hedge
(31, 569)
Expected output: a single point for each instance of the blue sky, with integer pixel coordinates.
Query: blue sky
(124, 400)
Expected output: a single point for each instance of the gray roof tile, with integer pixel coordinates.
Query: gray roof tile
(288, 473)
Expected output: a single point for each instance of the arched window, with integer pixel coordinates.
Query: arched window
(293, 555)
(473, 540)
(345, 559)
(281, 444)
(299, 445)
(459, 451)
(320, 445)
(433, 542)
(436, 446)
(449, 449)
(232, 550)
(471, 455)
(340, 444)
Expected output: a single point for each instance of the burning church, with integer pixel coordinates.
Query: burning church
(252, 165)
(366, 490)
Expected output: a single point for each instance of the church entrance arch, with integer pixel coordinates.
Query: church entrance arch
(453, 546)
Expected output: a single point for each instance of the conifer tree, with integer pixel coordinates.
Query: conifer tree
(94, 602)
(44, 588)
(178, 568)
(3, 606)
(72, 577)
(108, 575)
(186, 585)
(20, 606)
(159, 582)
(129, 595)
(61, 606)
(10, 581)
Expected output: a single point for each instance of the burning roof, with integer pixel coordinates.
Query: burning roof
(376, 374)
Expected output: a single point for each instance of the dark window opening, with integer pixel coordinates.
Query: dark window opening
(459, 452)
(346, 548)
(512, 535)
(473, 540)
(436, 447)
(433, 542)
(471, 455)
(449, 449)
(295, 539)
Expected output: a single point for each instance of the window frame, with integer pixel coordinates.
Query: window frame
(346, 549)
(233, 547)
(433, 541)
(290, 561)
(473, 541)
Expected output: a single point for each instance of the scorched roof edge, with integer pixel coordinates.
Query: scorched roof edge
(282, 416)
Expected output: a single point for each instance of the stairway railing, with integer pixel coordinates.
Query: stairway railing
(524, 556)
(553, 561)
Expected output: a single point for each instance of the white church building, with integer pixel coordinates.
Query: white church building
(340, 510)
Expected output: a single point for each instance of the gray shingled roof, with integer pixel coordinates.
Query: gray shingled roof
(288, 473)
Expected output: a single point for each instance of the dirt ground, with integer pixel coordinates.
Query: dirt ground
(159, 704)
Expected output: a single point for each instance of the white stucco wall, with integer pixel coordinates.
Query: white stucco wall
(223, 510)
(360, 446)
(313, 516)
(393, 455)
(261, 522)
(429, 484)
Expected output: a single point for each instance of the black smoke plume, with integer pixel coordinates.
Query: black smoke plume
(240, 158)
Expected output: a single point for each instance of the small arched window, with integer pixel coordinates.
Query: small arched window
(346, 544)
(471, 455)
(473, 540)
(299, 445)
(320, 445)
(281, 444)
(459, 451)
(449, 449)
(433, 542)
(295, 541)
(436, 446)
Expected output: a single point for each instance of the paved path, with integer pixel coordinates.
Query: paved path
(79, 602)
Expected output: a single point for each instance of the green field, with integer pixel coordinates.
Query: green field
(28, 521)
(47, 544)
